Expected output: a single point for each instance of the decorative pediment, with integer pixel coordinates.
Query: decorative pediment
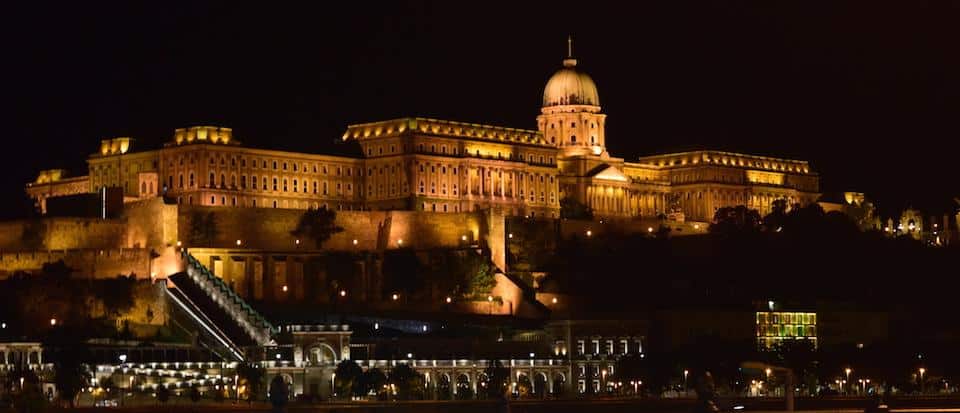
(608, 173)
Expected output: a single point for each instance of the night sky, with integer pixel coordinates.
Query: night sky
(868, 93)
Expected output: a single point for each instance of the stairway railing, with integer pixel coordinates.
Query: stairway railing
(249, 319)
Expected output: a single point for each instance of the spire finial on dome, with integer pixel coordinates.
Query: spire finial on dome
(569, 61)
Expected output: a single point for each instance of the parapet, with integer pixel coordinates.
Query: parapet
(462, 130)
(204, 134)
(116, 146)
(50, 175)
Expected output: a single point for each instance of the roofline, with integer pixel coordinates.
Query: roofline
(724, 153)
(451, 122)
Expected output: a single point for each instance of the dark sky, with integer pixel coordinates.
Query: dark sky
(869, 93)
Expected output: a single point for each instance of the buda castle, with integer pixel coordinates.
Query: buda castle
(447, 166)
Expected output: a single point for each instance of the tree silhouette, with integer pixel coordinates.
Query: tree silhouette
(318, 225)
(738, 220)
(194, 393)
(70, 354)
(279, 392)
(253, 376)
(163, 394)
(372, 380)
(570, 208)
(497, 376)
(408, 382)
(203, 229)
(348, 375)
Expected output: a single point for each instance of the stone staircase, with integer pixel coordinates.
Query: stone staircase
(219, 311)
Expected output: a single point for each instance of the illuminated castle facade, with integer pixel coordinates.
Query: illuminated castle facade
(445, 166)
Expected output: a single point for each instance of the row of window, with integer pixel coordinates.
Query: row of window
(609, 347)
(595, 371)
(786, 318)
(274, 184)
(275, 165)
(264, 203)
(786, 330)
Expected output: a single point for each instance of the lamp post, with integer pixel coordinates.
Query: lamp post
(123, 359)
(685, 374)
(847, 370)
(922, 370)
(603, 380)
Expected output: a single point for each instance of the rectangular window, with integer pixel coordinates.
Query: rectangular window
(609, 347)
(625, 346)
(580, 347)
(596, 346)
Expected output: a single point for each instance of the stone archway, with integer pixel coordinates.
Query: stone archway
(559, 380)
(463, 386)
(321, 354)
(524, 385)
(539, 388)
(483, 385)
(444, 388)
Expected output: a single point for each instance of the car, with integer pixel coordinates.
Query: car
(107, 403)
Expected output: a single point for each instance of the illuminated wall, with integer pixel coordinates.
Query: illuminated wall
(776, 327)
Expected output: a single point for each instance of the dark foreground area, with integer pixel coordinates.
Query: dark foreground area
(899, 405)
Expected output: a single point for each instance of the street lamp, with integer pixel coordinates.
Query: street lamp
(123, 359)
(685, 373)
(847, 370)
(922, 370)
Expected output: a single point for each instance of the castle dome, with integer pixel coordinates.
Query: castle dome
(569, 86)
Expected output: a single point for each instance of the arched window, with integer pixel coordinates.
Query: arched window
(274, 184)
(213, 180)
(191, 179)
(143, 188)
(181, 181)
(223, 180)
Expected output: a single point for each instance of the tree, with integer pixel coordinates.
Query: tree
(570, 208)
(71, 373)
(252, 375)
(279, 393)
(29, 398)
(497, 376)
(730, 221)
(203, 229)
(464, 274)
(194, 393)
(402, 273)
(348, 374)
(32, 236)
(408, 382)
(163, 394)
(630, 368)
(318, 225)
(372, 380)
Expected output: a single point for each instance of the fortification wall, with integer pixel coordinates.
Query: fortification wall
(61, 233)
(149, 223)
(105, 263)
(579, 228)
(269, 229)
